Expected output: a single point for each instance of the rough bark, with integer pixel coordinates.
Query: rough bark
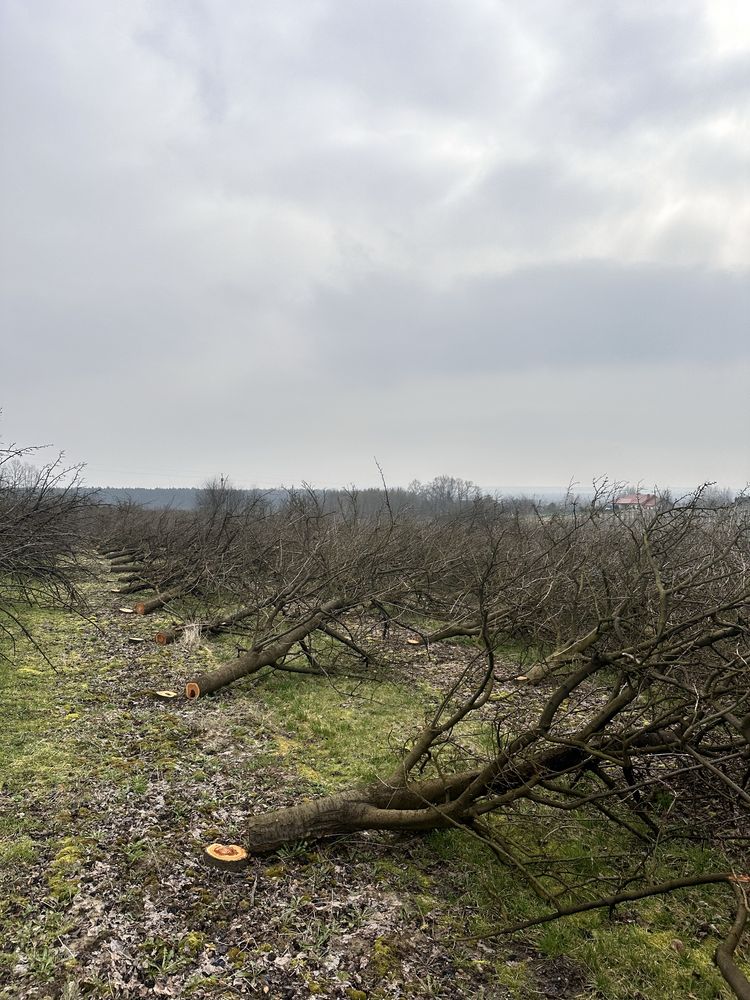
(392, 805)
(133, 588)
(127, 559)
(167, 636)
(146, 607)
(126, 569)
(724, 953)
(256, 659)
(418, 806)
(119, 553)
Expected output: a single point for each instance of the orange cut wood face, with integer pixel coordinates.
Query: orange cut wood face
(226, 851)
(230, 857)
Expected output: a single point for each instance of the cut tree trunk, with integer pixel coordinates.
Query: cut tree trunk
(423, 805)
(169, 635)
(432, 804)
(130, 557)
(226, 857)
(256, 659)
(118, 553)
(133, 588)
(146, 607)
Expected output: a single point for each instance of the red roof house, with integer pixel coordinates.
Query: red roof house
(636, 501)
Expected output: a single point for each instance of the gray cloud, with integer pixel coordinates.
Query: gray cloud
(258, 224)
(557, 317)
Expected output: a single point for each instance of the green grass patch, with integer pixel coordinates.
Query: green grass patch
(39, 709)
(654, 947)
(34, 748)
(342, 734)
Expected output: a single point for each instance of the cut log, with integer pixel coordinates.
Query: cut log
(169, 635)
(256, 659)
(423, 805)
(130, 557)
(227, 857)
(391, 804)
(134, 588)
(126, 569)
(146, 607)
(119, 553)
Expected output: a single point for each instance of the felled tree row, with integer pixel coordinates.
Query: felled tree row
(635, 628)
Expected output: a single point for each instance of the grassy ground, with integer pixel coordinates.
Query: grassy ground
(108, 795)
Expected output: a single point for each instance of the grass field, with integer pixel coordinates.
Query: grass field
(107, 796)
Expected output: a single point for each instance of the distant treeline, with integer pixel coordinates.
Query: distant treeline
(176, 497)
(442, 495)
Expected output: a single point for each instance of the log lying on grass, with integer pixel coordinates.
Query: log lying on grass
(382, 806)
(126, 569)
(119, 553)
(146, 607)
(169, 635)
(128, 558)
(256, 659)
(139, 581)
(395, 803)
(133, 587)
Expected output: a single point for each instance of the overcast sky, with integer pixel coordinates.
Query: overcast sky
(507, 240)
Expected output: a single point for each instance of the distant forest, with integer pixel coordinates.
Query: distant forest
(443, 494)
(173, 497)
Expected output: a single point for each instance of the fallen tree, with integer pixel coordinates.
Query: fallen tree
(154, 603)
(648, 623)
(270, 653)
(167, 636)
